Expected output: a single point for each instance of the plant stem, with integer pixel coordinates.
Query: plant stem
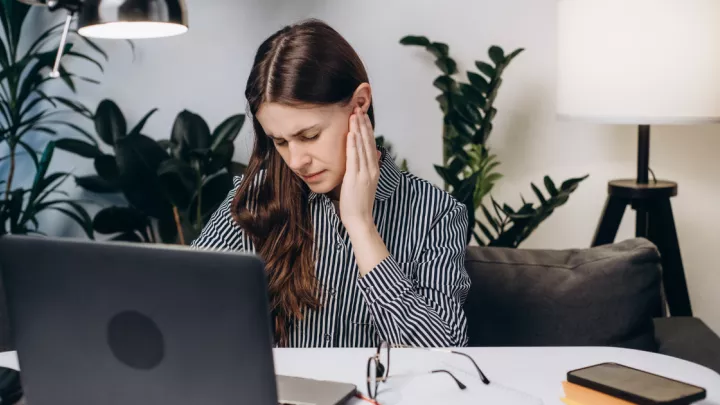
(11, 174)
(176, 214)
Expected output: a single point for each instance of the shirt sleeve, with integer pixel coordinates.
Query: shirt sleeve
(421, 303)
(222, 232)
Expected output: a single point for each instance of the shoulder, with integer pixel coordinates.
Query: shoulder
(438, 202)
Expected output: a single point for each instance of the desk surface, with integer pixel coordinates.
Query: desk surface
(519, 375)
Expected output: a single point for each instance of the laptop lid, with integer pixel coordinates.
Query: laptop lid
(123, 323)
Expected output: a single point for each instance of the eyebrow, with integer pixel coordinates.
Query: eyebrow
(298, 133)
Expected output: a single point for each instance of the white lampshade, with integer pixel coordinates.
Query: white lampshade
(639, 61)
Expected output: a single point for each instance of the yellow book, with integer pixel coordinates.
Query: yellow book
(579, 395)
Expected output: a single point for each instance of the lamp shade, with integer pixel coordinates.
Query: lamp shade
(132, 18)
(639, 62)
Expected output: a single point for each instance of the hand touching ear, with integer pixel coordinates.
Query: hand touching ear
(357, 195)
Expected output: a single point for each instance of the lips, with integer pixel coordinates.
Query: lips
(312, 176)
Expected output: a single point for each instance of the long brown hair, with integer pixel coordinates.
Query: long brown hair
(308, 63)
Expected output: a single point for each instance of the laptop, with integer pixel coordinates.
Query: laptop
(119, 323)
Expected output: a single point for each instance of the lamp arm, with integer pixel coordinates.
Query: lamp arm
(55, 73)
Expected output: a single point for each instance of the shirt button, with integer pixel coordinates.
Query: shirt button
(327, 337)
(332, 291)
(339, 246)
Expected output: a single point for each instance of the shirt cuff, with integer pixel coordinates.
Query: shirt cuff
(385, 283)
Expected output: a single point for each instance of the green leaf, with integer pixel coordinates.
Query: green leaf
(445, 83)
(219, 159)
(38, 44)
(74, 105)
(109, 122)
(485, 230)
(473, 95)
(46, 182)
(15, 209)
(106, 167)
(84, 224)
(214, 191)
(179, 181)
(443, 101)
(570, 185)
(512, 56)
(42, 167)
(96, 184)
(119, 219)
(31, 152)
(439, 49)
(141, 124)
(77, 128)
(486, 68)
(538, 193)
(447, 176)
(190, 132)
(550, 186)
(478, 82)
(237, 169)
(491, 220)
(447, 65)
(78, 147)
(138, 158)
(87, 58)
(227, 131)
(497, 55)
(415, 40)
(93, 45)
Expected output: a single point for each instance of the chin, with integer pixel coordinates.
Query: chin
(322, 188)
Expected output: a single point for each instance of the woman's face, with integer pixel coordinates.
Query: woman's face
(312, 139)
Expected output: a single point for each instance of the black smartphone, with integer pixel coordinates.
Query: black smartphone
(637, 386)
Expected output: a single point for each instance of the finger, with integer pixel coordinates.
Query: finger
(351, 165)
(369, 137)
(362, 153)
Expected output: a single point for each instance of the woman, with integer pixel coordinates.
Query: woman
(356, 251)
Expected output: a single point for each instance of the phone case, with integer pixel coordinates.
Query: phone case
(629, 396)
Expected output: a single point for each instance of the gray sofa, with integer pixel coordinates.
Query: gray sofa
(608, 295)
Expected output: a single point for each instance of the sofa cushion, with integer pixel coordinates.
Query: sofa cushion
(601, 296)
(689, 339)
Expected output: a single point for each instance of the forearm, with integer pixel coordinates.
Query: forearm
(410, 315)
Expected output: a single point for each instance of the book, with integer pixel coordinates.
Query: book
(579, 395)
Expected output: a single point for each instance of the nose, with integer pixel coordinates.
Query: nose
(299, 158)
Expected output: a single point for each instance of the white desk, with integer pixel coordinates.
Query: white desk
(535, 371)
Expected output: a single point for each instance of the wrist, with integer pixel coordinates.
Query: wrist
(360, 227)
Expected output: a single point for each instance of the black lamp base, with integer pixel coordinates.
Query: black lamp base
(654, 221)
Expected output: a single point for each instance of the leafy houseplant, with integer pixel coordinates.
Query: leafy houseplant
(29, 110)
(468, 168)
(172, 186)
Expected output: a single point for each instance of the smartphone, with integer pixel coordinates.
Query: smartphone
(637, 386)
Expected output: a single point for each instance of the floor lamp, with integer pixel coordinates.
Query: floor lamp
(642, 63)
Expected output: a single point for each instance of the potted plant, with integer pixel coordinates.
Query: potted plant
(29, 113)
(469, 168)
(172, 186)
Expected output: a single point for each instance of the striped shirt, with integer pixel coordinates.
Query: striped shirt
(414, 297)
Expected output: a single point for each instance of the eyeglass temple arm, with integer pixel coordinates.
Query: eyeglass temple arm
(459, 384)
(482, 375)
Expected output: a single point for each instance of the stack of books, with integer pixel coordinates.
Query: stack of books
(579, 395)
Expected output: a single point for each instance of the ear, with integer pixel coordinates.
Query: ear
(362, 97)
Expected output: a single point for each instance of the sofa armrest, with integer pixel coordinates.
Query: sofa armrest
(689, 339)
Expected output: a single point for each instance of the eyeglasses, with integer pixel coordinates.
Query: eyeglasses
(378, 369)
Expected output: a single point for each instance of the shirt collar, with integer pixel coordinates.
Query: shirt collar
(389, 178)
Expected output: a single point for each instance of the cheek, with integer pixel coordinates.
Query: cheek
(333, 151)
